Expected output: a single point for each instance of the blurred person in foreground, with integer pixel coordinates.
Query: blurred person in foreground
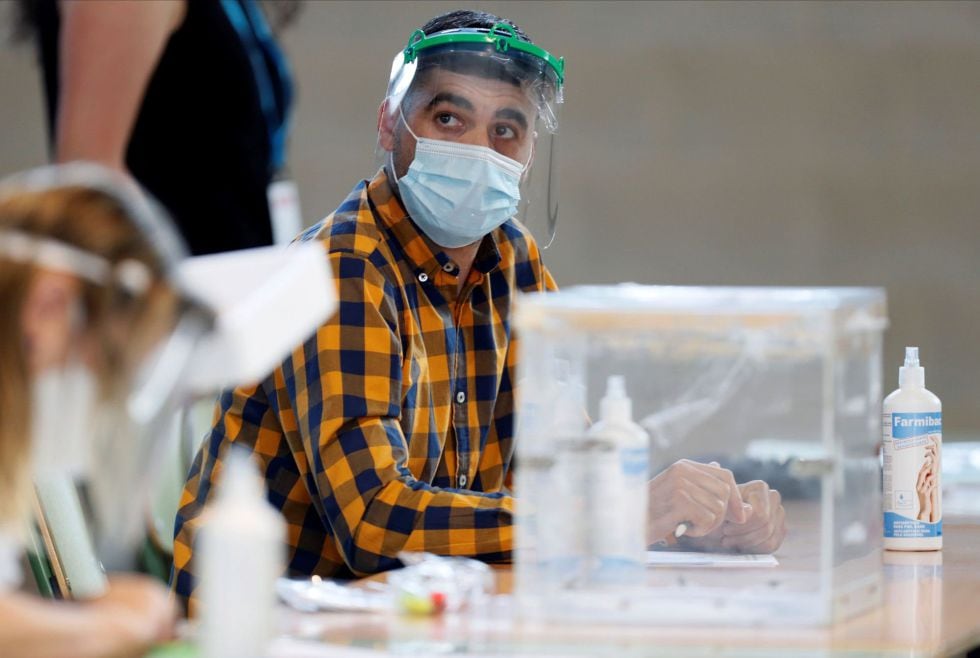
(83, 298)
(192, 98)
(392, 428)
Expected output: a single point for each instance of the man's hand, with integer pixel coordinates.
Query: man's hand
(703, 496)
(762, 531)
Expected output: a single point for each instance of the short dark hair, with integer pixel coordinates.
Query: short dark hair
(464, 18)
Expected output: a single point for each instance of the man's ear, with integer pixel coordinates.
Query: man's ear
(386, 127)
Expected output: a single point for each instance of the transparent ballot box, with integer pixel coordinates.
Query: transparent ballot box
(781, 385)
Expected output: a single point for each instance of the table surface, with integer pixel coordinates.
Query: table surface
(927, 611)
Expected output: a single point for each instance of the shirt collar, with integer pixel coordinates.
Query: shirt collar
(425, 255)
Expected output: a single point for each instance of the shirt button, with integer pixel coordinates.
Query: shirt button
(463, 480)
(460, 397)
(448, 267)
(423, 277)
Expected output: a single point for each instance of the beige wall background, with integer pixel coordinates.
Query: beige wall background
(701, 143)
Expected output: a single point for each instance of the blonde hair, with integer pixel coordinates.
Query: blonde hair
(125, 324)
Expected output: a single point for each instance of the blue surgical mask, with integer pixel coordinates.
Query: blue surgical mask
(458, 193)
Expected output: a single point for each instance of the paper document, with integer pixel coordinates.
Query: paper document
(693, 559)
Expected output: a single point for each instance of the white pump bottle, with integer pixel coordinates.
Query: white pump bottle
(621, 529)
(912, 434)
(242, 553)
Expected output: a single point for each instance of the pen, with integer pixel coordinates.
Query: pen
(672, 537)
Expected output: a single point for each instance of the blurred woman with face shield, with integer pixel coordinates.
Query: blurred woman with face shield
(106, 329)
(83, 298)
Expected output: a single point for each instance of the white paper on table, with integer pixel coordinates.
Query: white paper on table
(694, 559)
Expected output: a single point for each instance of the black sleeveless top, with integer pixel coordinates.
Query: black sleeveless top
(210, 133)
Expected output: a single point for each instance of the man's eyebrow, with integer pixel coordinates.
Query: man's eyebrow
(512, 114)
(448, 97)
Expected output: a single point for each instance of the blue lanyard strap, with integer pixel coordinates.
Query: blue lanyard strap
(261, 48)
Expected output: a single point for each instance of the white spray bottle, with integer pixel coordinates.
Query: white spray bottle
(242, 553)
(912, 435)
(621, 529)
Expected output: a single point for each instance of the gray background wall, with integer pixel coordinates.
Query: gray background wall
(716, 143)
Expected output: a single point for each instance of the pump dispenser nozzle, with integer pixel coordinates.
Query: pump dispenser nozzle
(616, 406)
(241, 480)
(911, 375)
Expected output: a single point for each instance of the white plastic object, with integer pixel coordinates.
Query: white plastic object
(242, 553)
(315, 594)
(434, 583)
(912, 434)
(620, 523)
(267, 300)
(550, 536)
(65, 521)
(428, 584)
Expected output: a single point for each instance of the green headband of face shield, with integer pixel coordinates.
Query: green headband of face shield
(501, 38)
(497, 51)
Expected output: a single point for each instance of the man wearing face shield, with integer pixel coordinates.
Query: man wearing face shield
(392, 428)
(84, 294)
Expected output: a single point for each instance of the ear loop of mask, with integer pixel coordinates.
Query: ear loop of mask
(391, 154)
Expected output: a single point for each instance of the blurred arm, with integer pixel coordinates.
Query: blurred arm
(134, 614)
(109, 50)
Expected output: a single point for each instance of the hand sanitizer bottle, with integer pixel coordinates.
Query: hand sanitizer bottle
(912, 435)
(620, 497)
(242, 553)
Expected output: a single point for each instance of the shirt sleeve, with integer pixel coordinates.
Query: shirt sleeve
(346, 392)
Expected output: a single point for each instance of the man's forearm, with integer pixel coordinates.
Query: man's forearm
(412, 516)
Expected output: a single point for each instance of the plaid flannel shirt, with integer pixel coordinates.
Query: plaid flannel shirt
(392, 428)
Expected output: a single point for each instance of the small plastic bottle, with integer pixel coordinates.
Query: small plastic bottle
(912, 434)
(621, 492)
(242, 553)
(547, 537)
(564, 533)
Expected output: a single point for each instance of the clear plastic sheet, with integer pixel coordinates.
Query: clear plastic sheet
(429, 584)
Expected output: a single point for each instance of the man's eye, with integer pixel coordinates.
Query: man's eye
(504, 131)
(447, 120)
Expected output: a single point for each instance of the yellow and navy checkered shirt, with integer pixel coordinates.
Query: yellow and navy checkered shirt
(392, 428)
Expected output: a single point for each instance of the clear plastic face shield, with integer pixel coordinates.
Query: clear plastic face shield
(92, 421)
(484, 88)
(163, 329)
